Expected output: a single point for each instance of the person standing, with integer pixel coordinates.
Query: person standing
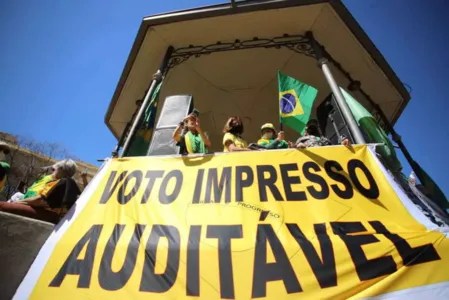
(232, 139)
(4, 166)
(4, 170)
(194, 140)
(269, 140)
(313, 138)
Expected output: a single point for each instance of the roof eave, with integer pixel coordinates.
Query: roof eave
(126, 70)
(244, 7)
(377, 56)
(184, 15)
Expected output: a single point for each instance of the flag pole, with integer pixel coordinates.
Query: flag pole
(157, 77)
(341, 102)
(281, 126)
(116, 150)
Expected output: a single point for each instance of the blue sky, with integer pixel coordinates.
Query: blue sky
(60, 62)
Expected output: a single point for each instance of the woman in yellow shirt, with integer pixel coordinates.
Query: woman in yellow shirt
(232, 140)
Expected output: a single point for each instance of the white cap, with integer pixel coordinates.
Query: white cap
(4, 147)
(412, 178)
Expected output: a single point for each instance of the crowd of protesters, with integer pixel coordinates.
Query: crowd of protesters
(192, 139)
(52, 194)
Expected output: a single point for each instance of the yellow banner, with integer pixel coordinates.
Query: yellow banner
(323, 223)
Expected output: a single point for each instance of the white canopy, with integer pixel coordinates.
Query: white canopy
(244, 82)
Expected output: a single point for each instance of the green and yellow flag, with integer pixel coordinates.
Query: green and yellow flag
(139, 145)
(432, 190)
(373, 132)
(295, 102)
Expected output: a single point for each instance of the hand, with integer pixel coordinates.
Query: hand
(281, 136)
(291, 144)
(188, 118)
(346, 142)
(300, 146)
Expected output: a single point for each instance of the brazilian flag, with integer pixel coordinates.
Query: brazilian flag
(141, 141)
(295, 102)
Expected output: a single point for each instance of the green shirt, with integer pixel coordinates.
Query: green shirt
(38, 187)
(273, 144)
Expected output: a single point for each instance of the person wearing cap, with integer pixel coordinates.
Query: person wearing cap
(270, 139)
(194, 139)
(312, 137)
(4, 170)
(33, 203)
(4, 167)
(4, 150)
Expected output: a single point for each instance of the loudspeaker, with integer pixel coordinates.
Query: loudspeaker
(327, 112)
(174, 110)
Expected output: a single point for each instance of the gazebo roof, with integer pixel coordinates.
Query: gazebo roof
(243, 81)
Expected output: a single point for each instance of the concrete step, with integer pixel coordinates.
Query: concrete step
(20, 241)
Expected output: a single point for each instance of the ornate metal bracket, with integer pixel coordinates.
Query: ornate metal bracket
(297, 43)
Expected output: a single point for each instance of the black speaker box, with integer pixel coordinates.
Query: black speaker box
(327, 111)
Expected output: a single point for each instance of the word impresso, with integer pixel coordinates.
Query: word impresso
(283, 182)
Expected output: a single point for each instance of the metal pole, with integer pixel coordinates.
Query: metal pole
(346, 111)
(122, 139)
(157, 77)
(355, 85)
(341, 102)
(139, 115)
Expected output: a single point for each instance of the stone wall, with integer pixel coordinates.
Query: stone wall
(20, 241)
